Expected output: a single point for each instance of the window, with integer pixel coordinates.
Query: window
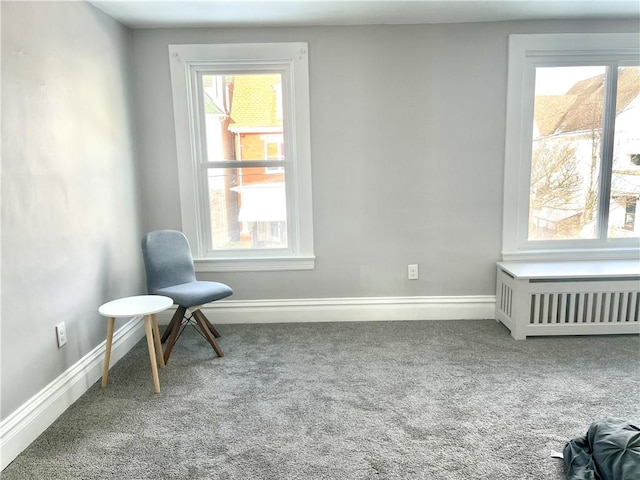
(635, 158)
(243, 149)
(573, 107)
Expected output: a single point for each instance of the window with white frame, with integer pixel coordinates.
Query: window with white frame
(243, 149)
(572, 128)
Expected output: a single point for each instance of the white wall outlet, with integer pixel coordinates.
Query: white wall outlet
(412, 272)
(61, 334)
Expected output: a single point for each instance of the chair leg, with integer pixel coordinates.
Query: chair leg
(202, 321)
(211, 327)
(175, 329)
(177, 317)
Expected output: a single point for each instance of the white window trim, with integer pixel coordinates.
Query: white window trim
(294, 56)
(525, 52)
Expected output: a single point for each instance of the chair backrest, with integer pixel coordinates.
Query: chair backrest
(167, 259)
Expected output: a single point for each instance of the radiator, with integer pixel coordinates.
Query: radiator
(584, 305)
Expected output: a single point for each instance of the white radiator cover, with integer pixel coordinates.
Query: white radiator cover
(599, 301)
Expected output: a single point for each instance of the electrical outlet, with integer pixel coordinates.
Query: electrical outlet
(61, 334)
(412, 272)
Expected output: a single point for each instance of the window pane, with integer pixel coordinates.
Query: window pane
(216, 91)
(243, 122)
(625, 180)
(565, 163)
(248, 208)
(243, 117)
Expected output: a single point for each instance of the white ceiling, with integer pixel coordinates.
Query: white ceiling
(254, 13)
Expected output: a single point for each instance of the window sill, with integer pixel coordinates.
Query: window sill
(254, 264)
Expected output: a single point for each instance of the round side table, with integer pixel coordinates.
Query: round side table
(142, 305)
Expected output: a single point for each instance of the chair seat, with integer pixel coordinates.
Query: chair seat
(195, 293)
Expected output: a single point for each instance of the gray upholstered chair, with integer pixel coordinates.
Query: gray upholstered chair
(170, 272)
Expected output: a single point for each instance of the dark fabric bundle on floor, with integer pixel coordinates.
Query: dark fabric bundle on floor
(609, 451)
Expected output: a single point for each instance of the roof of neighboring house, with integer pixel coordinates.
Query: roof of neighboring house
(580, 109)
(254, 101)
(549, 110)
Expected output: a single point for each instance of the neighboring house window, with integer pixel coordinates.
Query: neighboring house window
(630, 213)
(273, 150)
(635, 159)
(243, 145)
(573, 110)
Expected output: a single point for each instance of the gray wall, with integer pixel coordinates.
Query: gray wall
(407, 132)
(70, 211)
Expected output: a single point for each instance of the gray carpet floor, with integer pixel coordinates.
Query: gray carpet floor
(381, 400)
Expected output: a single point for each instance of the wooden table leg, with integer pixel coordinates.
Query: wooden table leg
(152, 354)
(156, 338)
(107, 352)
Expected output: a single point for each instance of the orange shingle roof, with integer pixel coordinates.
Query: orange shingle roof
(254, 101)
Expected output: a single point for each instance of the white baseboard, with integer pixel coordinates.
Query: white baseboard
(361, 309)
(24, 425)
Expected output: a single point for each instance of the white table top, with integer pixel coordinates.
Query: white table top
(134, 306)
